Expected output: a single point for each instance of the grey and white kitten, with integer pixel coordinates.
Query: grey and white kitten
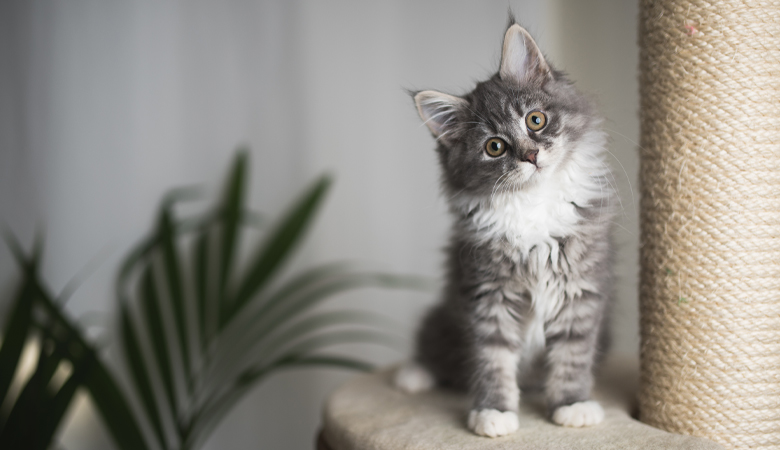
(529, 260)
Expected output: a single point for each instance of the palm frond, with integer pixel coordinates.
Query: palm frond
(276, 247)
(140, 373)
(43, 400)
(204, 424)
(231, 214)
(223, 326)
(175, 290)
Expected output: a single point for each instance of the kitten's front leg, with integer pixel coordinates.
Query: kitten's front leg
(496, 346)
(571, 346)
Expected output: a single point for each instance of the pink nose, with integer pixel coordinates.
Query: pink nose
(530, 156)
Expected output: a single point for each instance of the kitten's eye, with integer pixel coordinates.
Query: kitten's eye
(495, 147)
(535, 120)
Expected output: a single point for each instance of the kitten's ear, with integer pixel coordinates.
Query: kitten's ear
(521, 59)
(438, 111)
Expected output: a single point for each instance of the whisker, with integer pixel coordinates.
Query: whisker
(628, 180)
(441, 136)
(476, 114)
(633, 199)
(631, 233)
(455, 194)
(493, 193)
(601, 198)
(614, 188)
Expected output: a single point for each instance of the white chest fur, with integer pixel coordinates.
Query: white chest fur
(529, 223)
(534, 218)
(529, 220)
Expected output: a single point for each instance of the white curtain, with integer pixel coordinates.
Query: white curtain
(105, 105)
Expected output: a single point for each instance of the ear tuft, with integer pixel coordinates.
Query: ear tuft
(510, 18)
(521, 59)
(438, 111)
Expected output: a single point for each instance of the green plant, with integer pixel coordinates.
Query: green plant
(65, 362)
(233, 325)
(34, 409)
(195, 325)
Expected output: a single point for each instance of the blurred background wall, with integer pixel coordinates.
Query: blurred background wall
(105, 105)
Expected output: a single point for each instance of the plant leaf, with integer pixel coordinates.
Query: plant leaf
(131, 261)
(231, 216)
(200, 269)
(113, 408)
(328, 361)
(212, 417)
(55, 407)
(255, 309)
(251, 352)
(16, 330)
(148, 244)
(173, 281)
(182, 194)
(55, 404)
(150, 307)
(21, 427)
(140, 373)
(17, 326)
(329, 339)
(316, 323)
(300, 349)
(282, 308)
(289, 303)
(276, 247)
(81, 276)
(109, 400)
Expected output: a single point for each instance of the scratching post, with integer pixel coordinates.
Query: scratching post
(710, 257)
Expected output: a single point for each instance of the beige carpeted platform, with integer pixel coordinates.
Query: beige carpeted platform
(367, 413)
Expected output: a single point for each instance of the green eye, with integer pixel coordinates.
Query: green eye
(495, 147)
(535, 120)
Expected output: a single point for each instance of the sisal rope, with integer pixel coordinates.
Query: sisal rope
(710, 218)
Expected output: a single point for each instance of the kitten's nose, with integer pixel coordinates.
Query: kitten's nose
(530, 156)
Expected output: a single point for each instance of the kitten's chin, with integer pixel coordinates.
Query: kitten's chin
(525, 175)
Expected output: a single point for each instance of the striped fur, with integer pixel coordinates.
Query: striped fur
(529, 259)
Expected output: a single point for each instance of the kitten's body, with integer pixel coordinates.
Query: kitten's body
(529, 274)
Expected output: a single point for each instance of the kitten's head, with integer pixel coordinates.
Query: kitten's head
(518, 127)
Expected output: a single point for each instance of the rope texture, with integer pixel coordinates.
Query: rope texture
(710, 219)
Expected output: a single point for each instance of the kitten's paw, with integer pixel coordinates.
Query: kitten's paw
(580, 414)
(493, 423)
(413, 378)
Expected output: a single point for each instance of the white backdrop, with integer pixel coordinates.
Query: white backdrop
(105, 105)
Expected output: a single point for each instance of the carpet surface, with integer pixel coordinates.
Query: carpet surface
(368, 413)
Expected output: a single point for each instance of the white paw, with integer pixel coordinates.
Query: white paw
(413, 378)
(493, 423)
(580, 414)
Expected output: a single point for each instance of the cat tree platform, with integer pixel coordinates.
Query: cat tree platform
(368, 413)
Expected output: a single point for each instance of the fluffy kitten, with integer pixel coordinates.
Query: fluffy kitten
(529, 274)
